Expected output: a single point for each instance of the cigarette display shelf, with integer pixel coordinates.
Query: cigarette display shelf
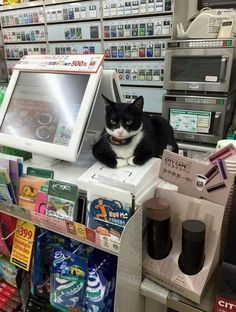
(165, 13)
(24, 42)
(72, 41)
(129, 251)
(72, 27)
(135, 59)
(73, 21)
(129, 44)
(23, 24)
(3, 69)
(126, 8)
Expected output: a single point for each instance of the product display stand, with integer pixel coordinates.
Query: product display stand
(129, 270)
(128, 248)
(156, 294)
(63, 171)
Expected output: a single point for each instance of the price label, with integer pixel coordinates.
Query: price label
(90, 234)
(23, 244)
(86, 63)
(23, 232)
(81, 230)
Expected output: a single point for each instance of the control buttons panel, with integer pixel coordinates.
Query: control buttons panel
(196, 100)
(189, 44)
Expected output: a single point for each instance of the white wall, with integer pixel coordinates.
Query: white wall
(183, 10)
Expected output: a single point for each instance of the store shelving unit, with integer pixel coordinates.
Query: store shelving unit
(23, 32)
(129, 252)
(3, 70)
(134, 45)
(73, 27)
(132, 35)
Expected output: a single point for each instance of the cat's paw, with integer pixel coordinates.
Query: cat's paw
(121, 162)
(131, 161)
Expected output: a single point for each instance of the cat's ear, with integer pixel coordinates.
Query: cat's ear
(109, 104)
(137, 104)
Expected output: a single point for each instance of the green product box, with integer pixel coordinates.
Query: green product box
(62, 200)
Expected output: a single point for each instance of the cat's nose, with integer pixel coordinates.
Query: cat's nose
(120, 131)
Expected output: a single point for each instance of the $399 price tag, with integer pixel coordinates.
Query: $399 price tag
(25, 232)
(23, 244)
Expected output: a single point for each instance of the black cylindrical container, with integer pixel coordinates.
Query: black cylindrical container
(159, 241)
(192, 257)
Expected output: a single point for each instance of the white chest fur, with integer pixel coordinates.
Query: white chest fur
(127, 151)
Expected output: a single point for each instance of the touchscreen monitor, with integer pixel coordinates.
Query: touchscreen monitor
(44, 106)
(47, 113)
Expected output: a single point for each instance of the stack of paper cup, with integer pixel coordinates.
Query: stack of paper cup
(230, 163)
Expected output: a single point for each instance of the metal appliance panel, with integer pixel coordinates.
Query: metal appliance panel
(199, 65)
(219, 107)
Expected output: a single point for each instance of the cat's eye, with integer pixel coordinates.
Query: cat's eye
(129, 122)
(113, 122)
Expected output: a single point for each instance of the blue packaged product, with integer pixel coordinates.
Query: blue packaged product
(99, 294)
(68, 280)
(45, 242)
(80, 248)
(111, 295)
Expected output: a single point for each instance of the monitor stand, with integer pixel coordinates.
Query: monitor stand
(43, 161)
(63, 170)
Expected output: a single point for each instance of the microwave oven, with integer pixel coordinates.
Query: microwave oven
(204, 65)
(199, 119)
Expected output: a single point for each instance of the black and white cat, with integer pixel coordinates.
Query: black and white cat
(131, 136)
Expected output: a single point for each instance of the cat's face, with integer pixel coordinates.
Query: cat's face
(123, 120)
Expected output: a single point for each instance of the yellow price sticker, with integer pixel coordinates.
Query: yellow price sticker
(81, 230)
(23, 244)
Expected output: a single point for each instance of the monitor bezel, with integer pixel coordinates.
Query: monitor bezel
(67, 153)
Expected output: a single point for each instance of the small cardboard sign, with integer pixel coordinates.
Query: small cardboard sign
(90, 234)
(76, 229)
(212, 182)
(84, 63)
(23, 244)
(224, 305)
(81, 230)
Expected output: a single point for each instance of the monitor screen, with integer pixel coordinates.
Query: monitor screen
(190, 120)
(44, 106)
(47, 113)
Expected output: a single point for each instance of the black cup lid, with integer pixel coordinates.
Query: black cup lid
(193, 230)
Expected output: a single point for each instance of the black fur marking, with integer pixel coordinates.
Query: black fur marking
(157, 133)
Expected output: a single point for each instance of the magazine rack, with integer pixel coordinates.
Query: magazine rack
(129, 252)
